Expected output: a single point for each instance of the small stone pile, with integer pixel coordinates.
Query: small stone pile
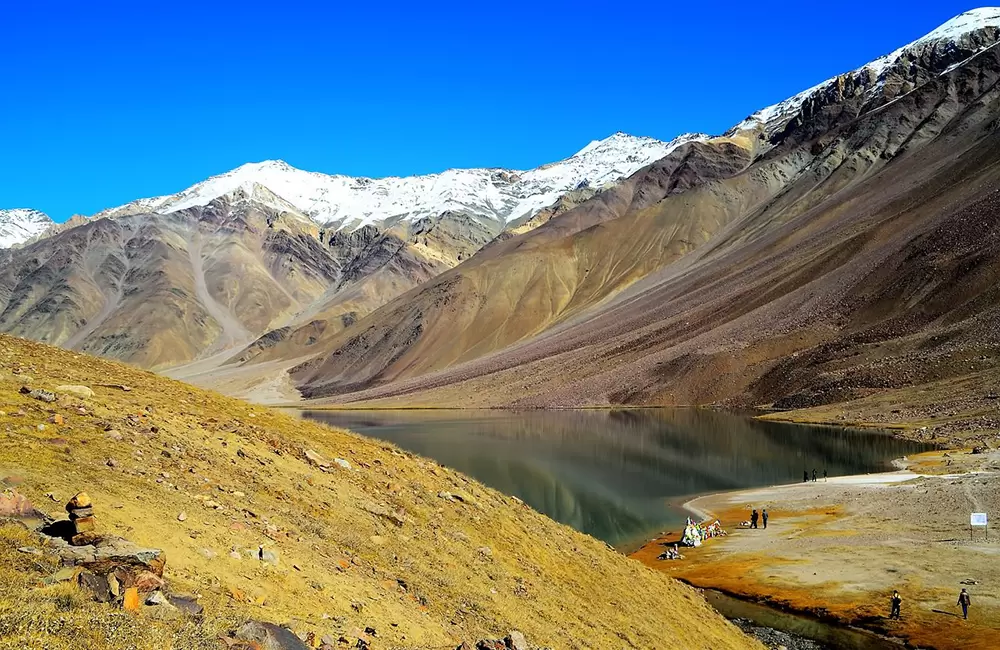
(81, 515)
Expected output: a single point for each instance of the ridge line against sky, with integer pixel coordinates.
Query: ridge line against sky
(104, 105)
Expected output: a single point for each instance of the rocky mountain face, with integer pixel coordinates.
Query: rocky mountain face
(19, 225)
(270, 251)
(827, 248)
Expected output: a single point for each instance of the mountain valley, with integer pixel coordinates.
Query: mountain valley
(826, 249)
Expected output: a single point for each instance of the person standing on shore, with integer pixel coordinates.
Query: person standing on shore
(814, 474)
(824, 475)
(753, 518)
(964, 601)
(805, 476)
(896, 602)
(763, 515)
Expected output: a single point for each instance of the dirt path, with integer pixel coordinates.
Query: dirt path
(838, 549)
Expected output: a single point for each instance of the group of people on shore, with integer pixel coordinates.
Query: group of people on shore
(758, 516)
(896, 604)
(805, 475)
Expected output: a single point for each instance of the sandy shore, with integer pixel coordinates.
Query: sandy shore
(837, 549)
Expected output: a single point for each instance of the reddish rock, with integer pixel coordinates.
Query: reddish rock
(148, 581)
(17, 505)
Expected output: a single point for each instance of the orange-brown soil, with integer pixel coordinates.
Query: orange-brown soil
(837, 549)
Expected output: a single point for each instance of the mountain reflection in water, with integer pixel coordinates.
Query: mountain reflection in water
(620, 475)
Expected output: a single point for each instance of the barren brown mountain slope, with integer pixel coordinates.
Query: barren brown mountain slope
(164, 290)
(518, 288)
(376, 544)
(831, 268)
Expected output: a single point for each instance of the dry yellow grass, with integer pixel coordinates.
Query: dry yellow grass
(454, 570)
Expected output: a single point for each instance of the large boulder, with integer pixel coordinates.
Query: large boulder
(76, 391)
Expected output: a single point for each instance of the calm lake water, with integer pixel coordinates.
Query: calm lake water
(621, 476)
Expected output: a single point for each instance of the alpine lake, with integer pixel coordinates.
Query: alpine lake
(623, 476)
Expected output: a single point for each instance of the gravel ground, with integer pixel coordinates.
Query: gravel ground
(776, 639)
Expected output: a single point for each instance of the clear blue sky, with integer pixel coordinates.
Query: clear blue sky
(105, 102)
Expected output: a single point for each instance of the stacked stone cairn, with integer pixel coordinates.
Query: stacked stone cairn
(81, 515)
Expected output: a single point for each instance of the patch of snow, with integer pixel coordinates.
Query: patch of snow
(21, 224)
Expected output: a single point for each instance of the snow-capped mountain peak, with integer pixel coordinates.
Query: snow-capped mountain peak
(498, 195)
(957, 33)
(21, 224)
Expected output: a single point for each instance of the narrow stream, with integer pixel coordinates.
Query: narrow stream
(825, 636)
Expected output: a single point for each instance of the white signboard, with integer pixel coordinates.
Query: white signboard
(978, 519)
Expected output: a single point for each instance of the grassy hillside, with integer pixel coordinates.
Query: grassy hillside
(372, 546)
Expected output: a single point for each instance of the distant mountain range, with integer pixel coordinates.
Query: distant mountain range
(494, 196)
(837, 244)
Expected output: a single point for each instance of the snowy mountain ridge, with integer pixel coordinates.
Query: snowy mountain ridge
(948, 36)
(498, 195)
(21, 224)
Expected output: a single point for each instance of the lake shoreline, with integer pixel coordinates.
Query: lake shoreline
(910, 431)
(835, 550)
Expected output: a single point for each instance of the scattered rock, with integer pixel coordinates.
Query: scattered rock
(264, 555)
(343, 463)
(97, 586)
(187, 604)
(182, 516)
(57, 420)
(76, 391)
(64, 575)
(395, 517)
(516, 641)
(41, 395)
(13, 504)
(156, 598)
(120, 387)
(315, 459)
(270, 636)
